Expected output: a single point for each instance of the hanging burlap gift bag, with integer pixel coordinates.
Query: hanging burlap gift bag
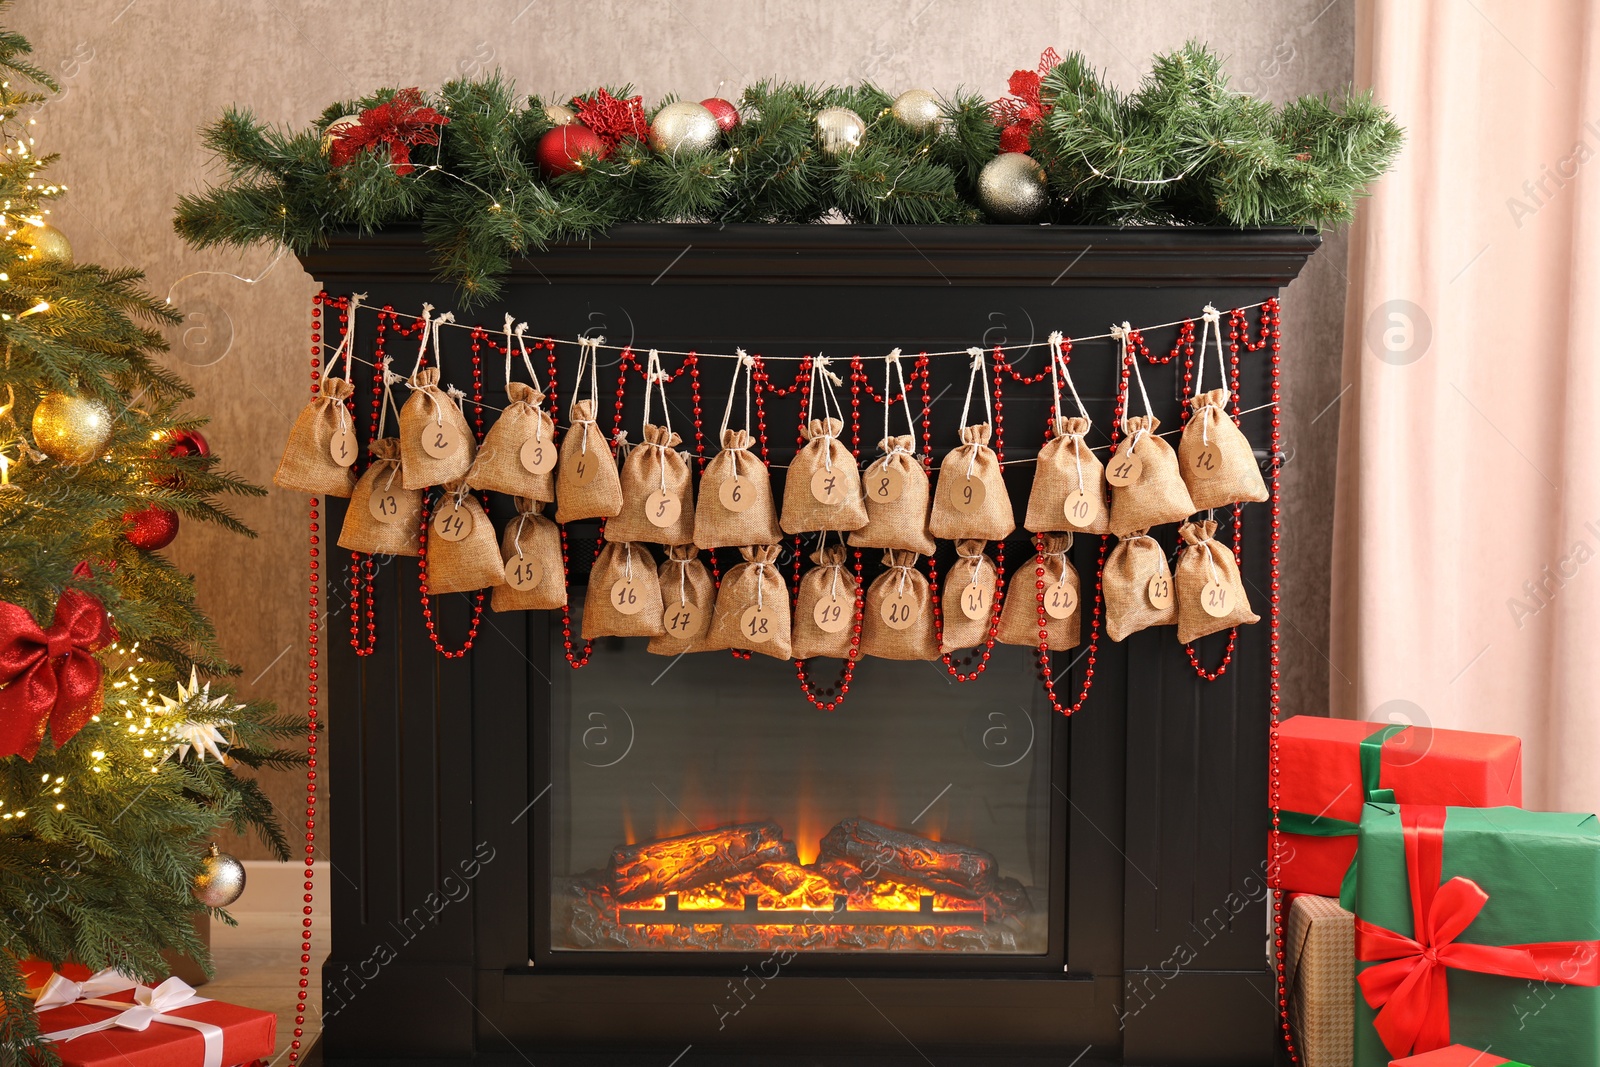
(383, 516)
(688, 598)
(322, 445)
(1069, 481)
(436, 444)
(1138, 587)
(970, 500)
(518, 454)
(587, 484)
(1217, 463)
(753, 606)
(825, 609)
(657, 503)
(1019, 619)
(462, 554)
(624, 598)
(530, 554)
(967, 601)
(735, 503)
(822, 489)
(894, 484)
(1146, 488)
(1211, 596)
(897, 620)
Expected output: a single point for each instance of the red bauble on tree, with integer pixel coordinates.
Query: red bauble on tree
(563, 148)
(150, 528)
(725, 113)
(185, 443)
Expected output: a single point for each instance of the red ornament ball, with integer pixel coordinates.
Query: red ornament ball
(725, 113)
(185, 443)
(563, 148)
(151, 528)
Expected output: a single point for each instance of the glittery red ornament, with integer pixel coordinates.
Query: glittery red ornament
(401, 122)
(725, 113)
(1022, 113)
(152, 528)
(612, 120)
(563, 148)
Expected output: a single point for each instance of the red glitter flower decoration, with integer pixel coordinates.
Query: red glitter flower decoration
(612, 120)
(1021, 113)
(401, 123)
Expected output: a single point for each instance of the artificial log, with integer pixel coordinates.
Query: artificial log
(672, 864)
(883, 852)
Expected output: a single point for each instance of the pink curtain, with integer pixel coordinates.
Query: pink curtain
(1466, 572)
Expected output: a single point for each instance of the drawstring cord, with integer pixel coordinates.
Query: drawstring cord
(1123, 335)
(978, 368)
(1212, 327)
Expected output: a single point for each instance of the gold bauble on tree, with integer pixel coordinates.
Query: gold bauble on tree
(220, 881)
(48, 243)
(840, 131)
(71, 429)
(684, 126)
(917, 110)
(1012, 188)
(560, 114)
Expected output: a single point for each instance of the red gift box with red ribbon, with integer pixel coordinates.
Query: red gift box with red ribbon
(1329, 768)
(1456, 1056)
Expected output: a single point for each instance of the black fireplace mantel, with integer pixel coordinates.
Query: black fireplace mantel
(435, 764)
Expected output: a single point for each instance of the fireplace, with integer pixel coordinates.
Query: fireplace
(649, 855)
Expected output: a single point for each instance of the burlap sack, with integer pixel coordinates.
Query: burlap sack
(430, 407)
(620, 561)
(903, 521)
(901, 579)
(532, 539)
(688, 600)
(396, 534)
(500, 467)
(651, 467)
(830, 582)
(1201, 562)
(582, 449)
(1066, 464)
(802, 511)
(308, 465)
(1217, 464)
(1159, 496)
(993, 519)
(1019, 619)
(717, 527)
(756, 582)
(973, 570)
(1131, 568)
(470, 563)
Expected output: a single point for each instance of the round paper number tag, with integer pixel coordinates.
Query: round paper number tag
(662, 508)
(757, 625)
(585, 466)
(1160, 591)
(343, 446)
(827, 486)
(1217, 599)
(440, 439)
(523, 573)
(977, 599)
(680, 620)
(1060, 600)
(626, 596)
(1124, 468)
(1082, 508)
(1205, 462)
(735, 494)
(967, 495)
(538, 457)
(385, 506)
(883, 485)
(833, 615)
(898, 611)
(453, 523)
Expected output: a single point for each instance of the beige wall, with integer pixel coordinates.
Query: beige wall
(141, 75)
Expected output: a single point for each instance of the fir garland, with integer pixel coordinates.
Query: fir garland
(1182, 150)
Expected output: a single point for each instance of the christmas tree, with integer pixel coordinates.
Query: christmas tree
(119, 739)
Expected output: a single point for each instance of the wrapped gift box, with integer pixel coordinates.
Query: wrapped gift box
(1329, 768)
(1320, 972)
(1477, 927)
(1456, 1056)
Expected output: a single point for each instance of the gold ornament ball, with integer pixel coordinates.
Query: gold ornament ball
(47, 242)
(220, 881)
(684, 126)
(917, 110)
(1011, 188)
(336, 129)
(840, 130)
(560, 114)
(71, 429)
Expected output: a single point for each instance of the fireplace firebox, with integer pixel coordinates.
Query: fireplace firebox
(656, 857)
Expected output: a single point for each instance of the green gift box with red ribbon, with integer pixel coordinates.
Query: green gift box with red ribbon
(1329, 768)
(1477, 927)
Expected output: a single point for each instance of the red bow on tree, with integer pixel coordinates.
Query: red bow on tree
(612, 120)
(1020, 115)
(1411, 991)
(50, 677)
(399, 122)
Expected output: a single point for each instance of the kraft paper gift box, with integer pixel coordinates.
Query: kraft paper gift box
(1456, 1056)
(1320, 975)
(1329, 768)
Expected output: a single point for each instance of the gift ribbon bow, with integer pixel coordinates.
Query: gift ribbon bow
(150, 1005)
(50, 676)
(61, 990)
(1371, 753)
(1409, 988)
